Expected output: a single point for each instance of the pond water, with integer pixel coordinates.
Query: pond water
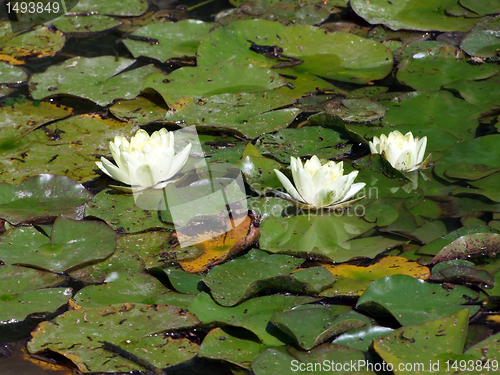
(333, 203)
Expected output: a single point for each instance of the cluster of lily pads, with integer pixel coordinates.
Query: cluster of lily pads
(377, 254)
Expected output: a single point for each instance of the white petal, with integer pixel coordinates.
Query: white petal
(312, 165)
(353, 190)
(144, 176)
(288, 186)
(113, 171)
(422, 144)
(404, 162)
(374, 146)
(305, 186)
(179, 160)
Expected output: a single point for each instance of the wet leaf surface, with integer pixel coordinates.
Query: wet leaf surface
(42, 198)
(248, 114)
(163, 41)
(326, 322)
(122, 287)
(28, 295)
(218, 79)
(412, 14)
(431, 341)
(306, 141)
(72, 243)
(399, 295)
(88, 24)
(69, 148)
(105, 84)
(20, 119)
(90, 327)
(40, 42)
(112, 8)
(361, 61)
(241, 278)
(253, 315)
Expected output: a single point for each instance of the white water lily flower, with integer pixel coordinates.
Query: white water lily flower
(144, 161)
(320, 185)
(404, 152)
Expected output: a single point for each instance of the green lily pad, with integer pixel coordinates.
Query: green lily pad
(489, 185)
(457, 274)
(486, 349)
(450, 263)
(121, 212)
(483, 94)
(24, 293)
(222, 78)
(43, 301)
(79, 335)
(122, 287)
(253, 315)
(112, 8)
(5, 90)
(300, 84)
(99, 79)
(323, 322)
(184, 282)
(306, 141)
(483, 40)
(121, 261)
(339, 56)
(427, 344)
(361, 338)
(40, 42)
(149, 246)
(226, 345)
(22, 118)
(327, 236)
(80, 140)
(413, 301)
(470, 245)
(87, 24)
(248, 114)
(284, 11)
(482, 153)
(437, 109)
(42, 198)
(481, 7)
(71, 244)
(241, 278)
(168, 40)
(12, 74)
(433, 66)
(412, 14)
(140, 111)
(334, 358)
(437, 245)
(357, 110)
